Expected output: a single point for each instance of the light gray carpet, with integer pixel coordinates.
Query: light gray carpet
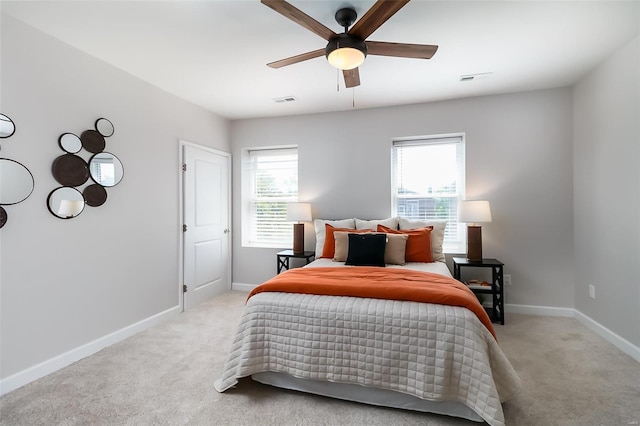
(165, 376)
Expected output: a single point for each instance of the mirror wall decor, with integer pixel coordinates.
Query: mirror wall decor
(106, 169)
(16, 181)
(71, 171)
(7, 127)
(65, 202)
(70, 143)
(104, 127)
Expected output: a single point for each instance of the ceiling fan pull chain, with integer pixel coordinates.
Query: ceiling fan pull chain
(338, 80)
(353, 99)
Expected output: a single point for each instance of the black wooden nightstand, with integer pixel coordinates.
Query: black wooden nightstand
(284, 256)
(496, 289)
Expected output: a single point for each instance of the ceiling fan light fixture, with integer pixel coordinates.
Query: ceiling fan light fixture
(346, 51)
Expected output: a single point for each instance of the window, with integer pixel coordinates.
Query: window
(428, 183)
(270, 180)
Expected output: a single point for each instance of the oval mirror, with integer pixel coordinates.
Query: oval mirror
(65, 202)
(106, 169)
(70, 170)
(16, 182)
(70, 143)
(104, 127)
(3, 217)
(7, 128)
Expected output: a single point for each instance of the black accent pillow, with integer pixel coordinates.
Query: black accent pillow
(366, 249)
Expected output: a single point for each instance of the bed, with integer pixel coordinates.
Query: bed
(396, 352)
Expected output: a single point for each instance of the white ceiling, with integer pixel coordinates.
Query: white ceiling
(214, 53)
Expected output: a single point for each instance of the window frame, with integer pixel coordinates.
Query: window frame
(249, 236)
(457, 245)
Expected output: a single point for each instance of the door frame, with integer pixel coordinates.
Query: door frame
(182, 143)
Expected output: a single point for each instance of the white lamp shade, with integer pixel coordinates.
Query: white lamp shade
(298, 212)
(70, 208)
(475, 211)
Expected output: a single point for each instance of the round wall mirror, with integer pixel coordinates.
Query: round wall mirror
(70, 170)
(16, 182)
(106, 169)
(7, 128)
(65, 202)
(70, 143)
(104, 127)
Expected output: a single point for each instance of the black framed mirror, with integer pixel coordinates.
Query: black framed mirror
(65, 202)
(16, 182)
(106, 169)
(104, 127)
(7, 127)
(70, 143)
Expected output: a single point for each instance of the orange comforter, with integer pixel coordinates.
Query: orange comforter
(378, 283)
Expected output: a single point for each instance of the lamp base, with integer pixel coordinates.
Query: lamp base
(474, 243)
(298, 238)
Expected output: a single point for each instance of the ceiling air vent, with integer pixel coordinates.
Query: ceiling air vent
(284, 99)
(479, 76)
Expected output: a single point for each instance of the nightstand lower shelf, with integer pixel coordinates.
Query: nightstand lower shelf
(496, 289)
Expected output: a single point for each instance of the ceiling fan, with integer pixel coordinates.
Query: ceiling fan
(347, 50)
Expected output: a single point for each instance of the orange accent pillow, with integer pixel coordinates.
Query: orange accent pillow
(418, 245)
(329, 248)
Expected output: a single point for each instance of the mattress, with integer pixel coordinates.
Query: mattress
(427, 352)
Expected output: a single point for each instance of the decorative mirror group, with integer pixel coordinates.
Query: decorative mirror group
(72, 171)
(16, 181)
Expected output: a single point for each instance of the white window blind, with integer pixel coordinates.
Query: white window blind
(428, 183)
(272, 176)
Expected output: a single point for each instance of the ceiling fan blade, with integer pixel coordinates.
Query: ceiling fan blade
(351, 77)
(402, 50)
(299, 17)
(298, 58)
(376, 16)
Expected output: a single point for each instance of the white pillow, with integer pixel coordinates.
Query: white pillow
(320, 230)
(391, 222)
(437, 234)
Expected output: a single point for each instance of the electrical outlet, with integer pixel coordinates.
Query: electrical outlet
(507, 279)
(592, 291)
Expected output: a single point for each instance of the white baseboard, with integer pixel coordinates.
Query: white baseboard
(243, 287)
(545, 311)
(31, 374)
(618, 341)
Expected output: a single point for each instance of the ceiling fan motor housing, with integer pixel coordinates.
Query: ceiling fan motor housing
(346, 40)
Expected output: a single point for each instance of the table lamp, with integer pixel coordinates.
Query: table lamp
(473, 212)
(298, 212)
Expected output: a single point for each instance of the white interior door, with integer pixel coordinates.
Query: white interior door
(206, 230)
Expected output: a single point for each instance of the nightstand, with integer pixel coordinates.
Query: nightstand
(284, 256)
(496, 289)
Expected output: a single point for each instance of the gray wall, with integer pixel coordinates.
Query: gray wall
(607, 192)
(518, 154)
(65, 283)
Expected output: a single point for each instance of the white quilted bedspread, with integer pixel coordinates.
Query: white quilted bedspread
(431, 351)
